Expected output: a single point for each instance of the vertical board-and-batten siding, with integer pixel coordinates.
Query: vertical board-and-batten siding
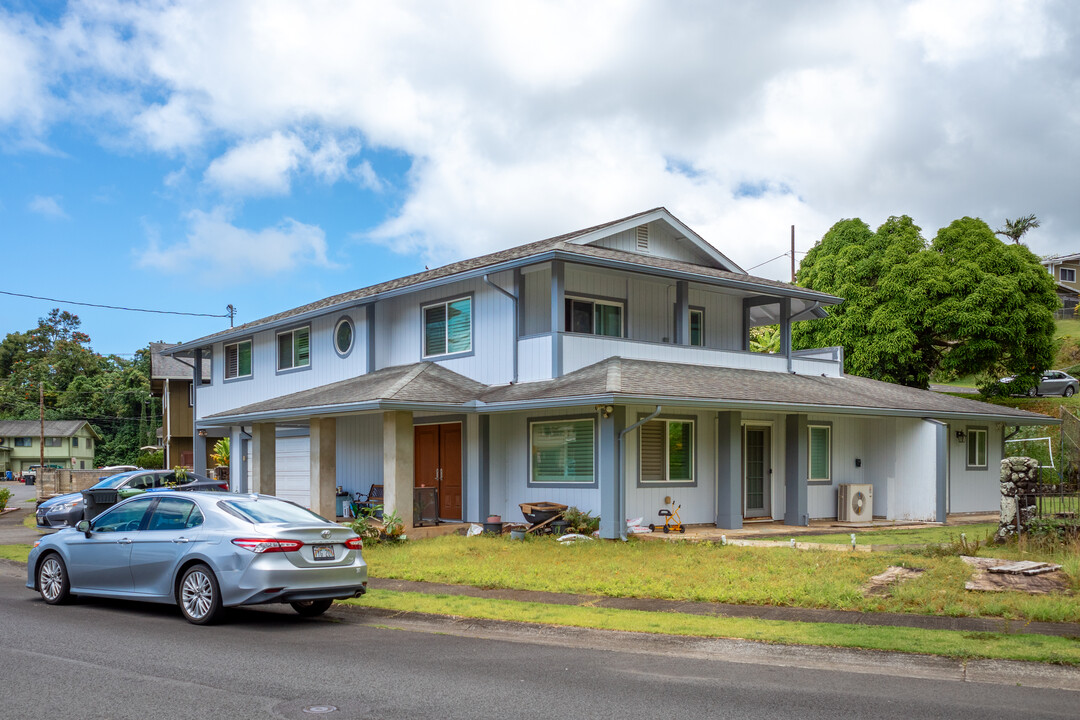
(975, 490)
(265, 382)
(491, 359)
(359, 452)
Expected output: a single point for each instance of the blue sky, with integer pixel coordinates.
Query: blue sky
(188, 155)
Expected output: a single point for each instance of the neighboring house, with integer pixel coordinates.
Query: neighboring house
(171, 380)
(607, 369)
(68, 443)
(1066, 272)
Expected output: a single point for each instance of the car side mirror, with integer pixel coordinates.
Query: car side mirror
(83, 526)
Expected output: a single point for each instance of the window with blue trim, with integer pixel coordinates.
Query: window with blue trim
(294, 349)
(448, 327)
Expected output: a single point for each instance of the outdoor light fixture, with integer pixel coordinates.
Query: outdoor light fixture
(960, 435)
(605, 410)
(202, 433)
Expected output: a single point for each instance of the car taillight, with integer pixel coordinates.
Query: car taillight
(224, 486)
(354, 544)
(268, 545)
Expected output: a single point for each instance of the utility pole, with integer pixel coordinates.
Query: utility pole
(232, 313)
(792, 254)
(41, 407)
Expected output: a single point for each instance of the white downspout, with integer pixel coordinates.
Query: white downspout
(620, 481)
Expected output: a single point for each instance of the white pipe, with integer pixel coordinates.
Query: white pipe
(620, 488)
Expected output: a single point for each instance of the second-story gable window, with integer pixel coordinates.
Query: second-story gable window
(1067, 274)
(238, 360)
(294, 349)
(74, 442)
(594, 317)
(24, 442)
(448, 327)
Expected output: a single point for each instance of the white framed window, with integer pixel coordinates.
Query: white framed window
(697, 327)
(819, 453)
(344, 335)
(448, 327)
(1067, 274)
(594, 317)
(562, 452)
(666, 451)
(976, 448)
(294, 349)
(238, 360)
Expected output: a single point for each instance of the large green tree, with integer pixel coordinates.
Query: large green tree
(965, 303)
(112, 392)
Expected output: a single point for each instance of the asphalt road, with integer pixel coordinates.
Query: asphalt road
(107, 659)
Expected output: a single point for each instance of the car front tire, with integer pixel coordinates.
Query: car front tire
(199, 596)
(52, 580)
(311, 608)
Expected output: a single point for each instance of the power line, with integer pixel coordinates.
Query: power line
(119, 307)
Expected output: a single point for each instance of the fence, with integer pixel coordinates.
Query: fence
(1057, 489)
(59, 482)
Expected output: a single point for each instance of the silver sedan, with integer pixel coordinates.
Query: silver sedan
(204, 552)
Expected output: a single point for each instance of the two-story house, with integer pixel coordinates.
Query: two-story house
(1064, 268)
(68, 444)
(171, 379)
(608, 369)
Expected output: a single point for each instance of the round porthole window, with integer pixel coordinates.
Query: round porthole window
(343, 336)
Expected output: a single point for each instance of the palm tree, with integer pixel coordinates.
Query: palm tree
(1016, 229)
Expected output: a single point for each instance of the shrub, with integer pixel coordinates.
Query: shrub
(154, 460)
(578, 521)
(5, 495)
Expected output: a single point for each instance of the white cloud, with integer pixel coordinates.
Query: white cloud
(49, 206)
(24, 97)
(530, 118)
(216, 248)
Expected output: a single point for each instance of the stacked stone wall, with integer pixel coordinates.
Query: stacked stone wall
(1019, 486)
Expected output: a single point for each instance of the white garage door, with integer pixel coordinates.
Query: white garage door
(293, 470)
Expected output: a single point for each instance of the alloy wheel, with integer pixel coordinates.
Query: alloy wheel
(197, 594)
(51, 579)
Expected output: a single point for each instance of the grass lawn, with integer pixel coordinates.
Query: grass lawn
(14, 552)
(913, 640)
(714, 573)
(917, 536)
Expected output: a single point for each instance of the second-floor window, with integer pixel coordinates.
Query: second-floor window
(238, 360)
(294, 349)
(594, 317)
(53, 442)
(448, 327)
(74, 442)
(697, 328)
(1067, 274)
(24, 442)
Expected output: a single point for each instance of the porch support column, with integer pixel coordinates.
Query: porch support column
(558, 315)
(198, 460)
(264, 458)
(609, 471)
(398, 465)
(237, 468)
(682, 312)
(483, 438)
(746, 326)
(941, 437)
(785, 330)
(729, 470)
(323, 459)
(796, 465)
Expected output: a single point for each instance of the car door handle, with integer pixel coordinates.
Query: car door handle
(181, 540)
(125, 541)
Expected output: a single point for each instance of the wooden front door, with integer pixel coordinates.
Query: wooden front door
(437, 464)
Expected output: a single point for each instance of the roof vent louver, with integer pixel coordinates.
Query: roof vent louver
(643, 238)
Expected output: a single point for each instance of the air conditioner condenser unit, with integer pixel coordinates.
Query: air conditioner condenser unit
(855, 503)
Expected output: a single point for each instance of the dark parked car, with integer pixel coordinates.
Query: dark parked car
(203, 552)
(67, 510)
(1052, 382)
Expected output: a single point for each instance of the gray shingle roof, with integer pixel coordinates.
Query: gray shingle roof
(429, 383)
(424, 382)
(32, 428)
(561, 243)
(165, 367)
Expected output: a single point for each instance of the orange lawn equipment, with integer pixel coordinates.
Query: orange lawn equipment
(672, 520)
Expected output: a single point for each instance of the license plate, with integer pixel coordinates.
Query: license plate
(323, 552)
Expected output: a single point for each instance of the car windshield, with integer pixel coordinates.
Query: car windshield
(271, 510)
(112, 481)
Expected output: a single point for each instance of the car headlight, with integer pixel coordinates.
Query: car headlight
(64, 507)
